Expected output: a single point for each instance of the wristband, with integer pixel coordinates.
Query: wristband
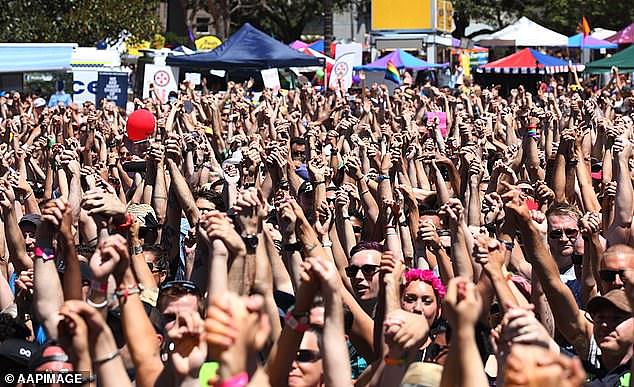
(100, 305)
(107, 358)
(326, 244)
(136, 250)
(126, 292)
(297, 323)
(88, 379)
(380, 178)
(45, 253)
(239, 380)
(292, 247)
(319, 182)
(101, 287)
(251, 241)
(393, 362)
(508, 244)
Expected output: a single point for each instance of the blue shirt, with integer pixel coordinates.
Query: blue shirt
(40, 335)
(59, 97)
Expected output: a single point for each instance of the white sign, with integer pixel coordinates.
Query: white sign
(84, 86)
(193, 78)
(164, 79)
(218, 73)
(271, 79)
(348, 56)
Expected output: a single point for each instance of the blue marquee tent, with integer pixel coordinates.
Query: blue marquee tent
(401, 60)
(589, 42)
(26, 57)
(248, 48)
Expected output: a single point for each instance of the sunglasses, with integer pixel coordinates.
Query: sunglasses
(609, 319)
(571, 233)
(153, 269)
(357, 229)
(307, 356)
(176, 288)
(610, 275)
(367, 270)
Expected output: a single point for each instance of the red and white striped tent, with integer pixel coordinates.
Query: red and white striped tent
(329, 61)
(528, 61)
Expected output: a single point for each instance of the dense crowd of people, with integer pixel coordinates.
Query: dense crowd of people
(322, 238)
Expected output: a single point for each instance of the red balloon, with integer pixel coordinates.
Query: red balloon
(140, 125)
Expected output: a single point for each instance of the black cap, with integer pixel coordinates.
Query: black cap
(19, 350)
(34, 219)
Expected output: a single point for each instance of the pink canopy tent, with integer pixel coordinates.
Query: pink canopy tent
(625, 36)
(329, 61)
(298, 44)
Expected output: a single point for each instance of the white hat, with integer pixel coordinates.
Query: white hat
(39, 102)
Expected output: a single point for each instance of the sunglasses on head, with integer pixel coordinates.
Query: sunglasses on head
(610, 275)
(557, 233)
(367, 270)
(307, 356)
(174, 288)
(168, 318)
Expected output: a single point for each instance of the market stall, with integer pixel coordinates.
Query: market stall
(524, 33)
(248, 48)
(623, 60)
(526, 67)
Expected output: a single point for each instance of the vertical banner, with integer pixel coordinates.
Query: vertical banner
(465, 62)
(271, 79)
(164, 79)
(442, 121)
(348, 56)
(84, 86)
(113, 86)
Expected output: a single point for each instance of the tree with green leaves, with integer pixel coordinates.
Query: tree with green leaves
(284, 19)
(562, 16)
(77, 21)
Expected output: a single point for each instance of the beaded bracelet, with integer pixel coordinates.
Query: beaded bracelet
(126, 292)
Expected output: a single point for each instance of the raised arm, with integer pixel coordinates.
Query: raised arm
(337, 372)
(137, 328)
(620, 230)
(568, 319)
(462, 306)
(48, 294)
(454, 215)
(14, 238)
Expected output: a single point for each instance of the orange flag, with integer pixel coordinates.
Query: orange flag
(584, 26)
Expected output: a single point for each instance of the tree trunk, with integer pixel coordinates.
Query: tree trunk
(327, 26)
(461, 22)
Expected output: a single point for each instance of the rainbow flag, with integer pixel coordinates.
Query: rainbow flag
(391, 73)
(584, 26)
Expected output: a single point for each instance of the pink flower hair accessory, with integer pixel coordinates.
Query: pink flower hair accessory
(427, 276)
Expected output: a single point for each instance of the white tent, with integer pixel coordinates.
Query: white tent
(602, 33)
(525, 33)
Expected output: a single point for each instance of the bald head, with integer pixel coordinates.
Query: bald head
(615, 259)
